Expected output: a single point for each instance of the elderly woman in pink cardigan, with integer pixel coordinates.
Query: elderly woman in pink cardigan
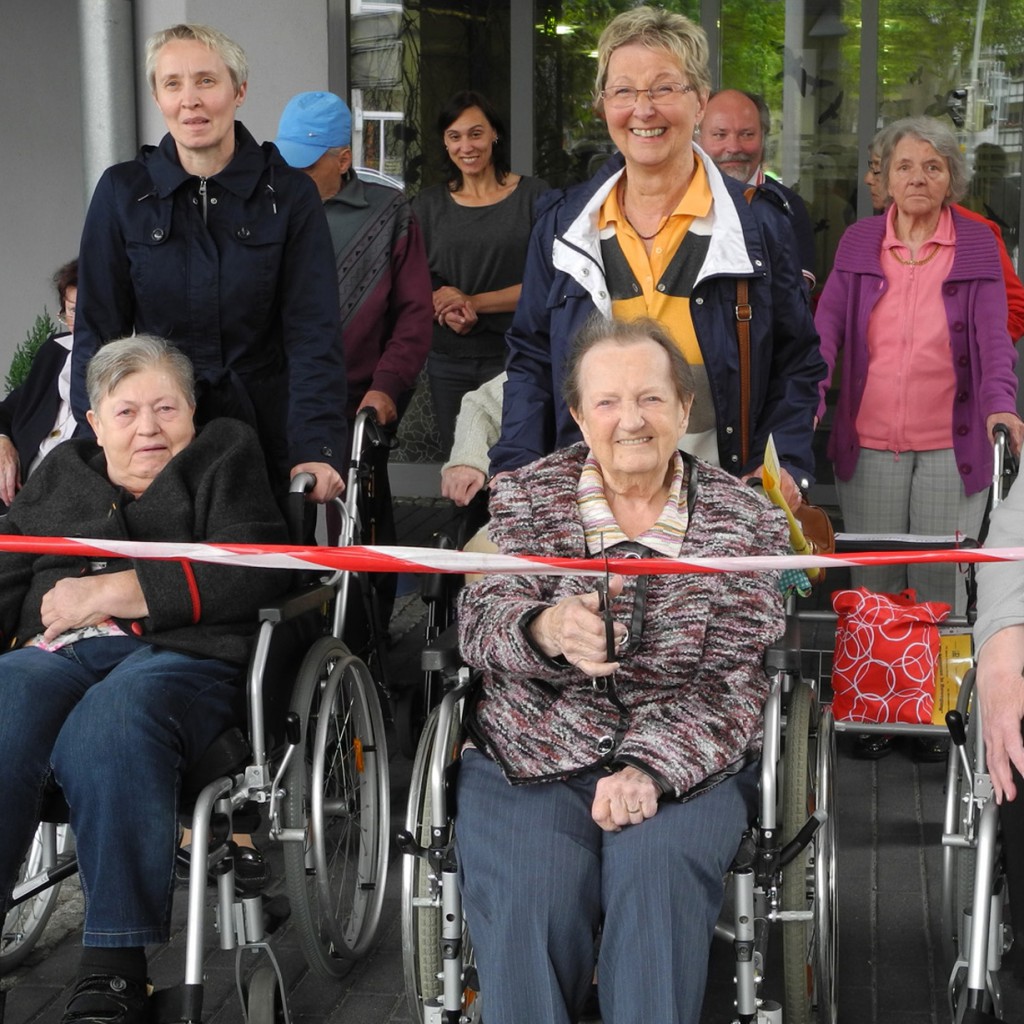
(916, 306)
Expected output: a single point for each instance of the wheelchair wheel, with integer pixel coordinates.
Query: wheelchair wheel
(808, 881)
(338, 792)
(24, 924)
(264, 1003)
(421, 901)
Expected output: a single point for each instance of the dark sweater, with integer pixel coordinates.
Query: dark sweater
(215, 490)
(477, 249)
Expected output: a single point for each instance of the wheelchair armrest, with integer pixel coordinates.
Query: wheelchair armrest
(782, 658)
(295, 604)
(442, 653)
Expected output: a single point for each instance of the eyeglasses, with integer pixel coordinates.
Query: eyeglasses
(622, 96)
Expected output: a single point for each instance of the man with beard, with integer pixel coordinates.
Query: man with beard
(733, 134)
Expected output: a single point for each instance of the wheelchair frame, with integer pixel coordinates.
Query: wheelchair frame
(973, 887)
(326, 791)
(784, 871)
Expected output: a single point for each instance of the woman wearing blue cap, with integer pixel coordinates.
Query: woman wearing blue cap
(213, 242)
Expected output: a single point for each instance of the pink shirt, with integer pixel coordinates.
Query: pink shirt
(908, 394)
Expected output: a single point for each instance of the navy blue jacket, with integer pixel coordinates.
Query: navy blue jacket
(29, 412)
(564, 283)
(247, 291)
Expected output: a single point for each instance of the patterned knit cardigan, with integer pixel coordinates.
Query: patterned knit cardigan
(686, 703)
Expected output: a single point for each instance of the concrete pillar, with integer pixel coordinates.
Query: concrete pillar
(108, 86)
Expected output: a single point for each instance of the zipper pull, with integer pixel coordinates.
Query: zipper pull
(202, 196)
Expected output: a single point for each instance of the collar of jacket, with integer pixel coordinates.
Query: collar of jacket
(576, 250)
(241, 176)
(352, 193)
(975, 254)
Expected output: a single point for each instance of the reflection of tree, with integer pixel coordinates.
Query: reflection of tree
(924, 54)
(752, 37)
(922, 40)
(571, 140)
(449, 45)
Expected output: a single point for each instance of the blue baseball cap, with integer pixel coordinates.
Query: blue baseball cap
(311, 124)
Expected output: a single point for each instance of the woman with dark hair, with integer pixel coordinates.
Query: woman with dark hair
(36, 416)
(476, 226)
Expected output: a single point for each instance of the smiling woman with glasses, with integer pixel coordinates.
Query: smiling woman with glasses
(617, 726)
(660, 232)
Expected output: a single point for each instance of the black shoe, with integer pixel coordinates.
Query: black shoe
(928, 750)
(252, 871)
(107, 999)
(870, 746)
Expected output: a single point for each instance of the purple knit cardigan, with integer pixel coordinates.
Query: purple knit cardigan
(983, 355)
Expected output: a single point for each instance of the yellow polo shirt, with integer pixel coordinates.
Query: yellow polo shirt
(659, 285)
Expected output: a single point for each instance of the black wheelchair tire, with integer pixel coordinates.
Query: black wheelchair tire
(422, 923)
(338, 791)
(264, 1002)
(809, 948)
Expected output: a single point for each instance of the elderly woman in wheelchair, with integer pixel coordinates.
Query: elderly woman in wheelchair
(125, 670)
(610, 768)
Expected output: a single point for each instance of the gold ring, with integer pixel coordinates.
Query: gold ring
(632, 810)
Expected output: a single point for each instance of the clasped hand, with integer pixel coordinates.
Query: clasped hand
(78, 601)
(573, 628)
(454, 309)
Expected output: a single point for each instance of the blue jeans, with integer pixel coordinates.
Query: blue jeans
(118, 720)
(539, 877)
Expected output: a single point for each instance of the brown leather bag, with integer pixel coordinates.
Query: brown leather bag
(813, 519)
(817, 527)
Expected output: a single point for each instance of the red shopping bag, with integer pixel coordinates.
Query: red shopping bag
(885, 657)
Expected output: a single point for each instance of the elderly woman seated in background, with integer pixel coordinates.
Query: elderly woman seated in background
(125, 670)
(641, 765)
(916, 306)
(36, 415)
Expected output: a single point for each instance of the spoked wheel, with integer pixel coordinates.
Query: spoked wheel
(265, 1002)
(808, 881)
(338, 792)
(421, 899)
(24, 924)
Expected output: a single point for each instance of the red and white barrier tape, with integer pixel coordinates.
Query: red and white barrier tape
(422, 560)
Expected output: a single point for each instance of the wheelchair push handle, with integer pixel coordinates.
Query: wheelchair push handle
(302, 483)
(956, 727)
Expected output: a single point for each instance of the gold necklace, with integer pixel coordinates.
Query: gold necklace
(915, 263)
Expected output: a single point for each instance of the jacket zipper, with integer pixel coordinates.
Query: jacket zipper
(202, 196)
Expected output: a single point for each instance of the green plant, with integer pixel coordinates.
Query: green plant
(26, 351)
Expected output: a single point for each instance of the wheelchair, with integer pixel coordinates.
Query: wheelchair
(312, 760)
(974, 929)
(784, 870)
